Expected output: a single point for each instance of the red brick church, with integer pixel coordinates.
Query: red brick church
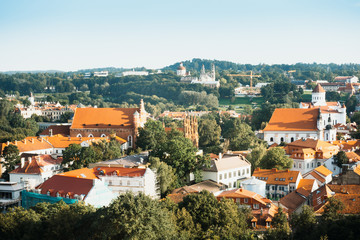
(101, 122)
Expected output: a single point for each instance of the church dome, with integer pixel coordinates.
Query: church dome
(181, 67)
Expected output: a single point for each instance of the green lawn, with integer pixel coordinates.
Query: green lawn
(240, 103)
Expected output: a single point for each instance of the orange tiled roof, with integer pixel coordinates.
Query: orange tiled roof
(315, 175)
(357, 170)
(276, 177)
(176, 197)
(293, 119)
(64, 142)
(66, 185)
(119, 171)
(311, 143)
(323, 171)
(352, 156)
(104, 118)
(34, 167)
(292, 201)
(30, 144)
(85, 173)
(347, 145)
(306, 184)
(241, 193)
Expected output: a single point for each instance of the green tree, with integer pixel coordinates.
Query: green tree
(356, 118)
(209, 136)
(340, 158)
(151, 135)
(165, 175)
(276, 158)
(332, 210)
(256, 155)
(280, 227)
(106, 150)
(303, 222)
(11, 157)
(133, 217)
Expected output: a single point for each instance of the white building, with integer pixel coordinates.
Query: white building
(10, 195)
(207, 79)
(36, 170)
(321, 174)
(181, 70)
(121, 180)
(101, 74)
(228, 169)
(134, 73)
(347, 79)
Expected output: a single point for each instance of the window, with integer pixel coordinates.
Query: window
(246, 200)
(248, 170)
(48, 193)
(243, 172)
(239, 173)
(273, 187)
(90, 135)
(256, 206)
(307, 165)
(234, 185)
(79, 135)
(220, 176)
(120, 183)
(281, 139)
(234, 173)
(103, 135)
(229, 174)
(267, 187)
(299, 165)
(128, 183)
(318, 164)
(130, 141)
(267, 224)
(225, 176)
(253, 224)
(238, 200)
(292, 139)
(271, 139)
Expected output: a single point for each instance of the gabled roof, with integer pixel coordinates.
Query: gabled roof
(306, 184)
(66, 185)
(357, 170)
(37, 162)
(323, 171)
(311, 143)
(227, 161)
(320, 196)
(318, 89)
(64, 142)
(276, 177)
(104, 118)
(30, 144)
(63, 130)
(352, 156)
(241, 193)
(293, 119)
(208, 185)
(293, 201)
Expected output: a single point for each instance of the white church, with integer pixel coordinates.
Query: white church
(206, 78)
(312, 120)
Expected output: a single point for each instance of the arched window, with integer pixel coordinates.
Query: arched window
(130, 144)
(271, 139)
(103, 135)
(281, 139)
(79, 135)
(48, 193)
(90, 135)
(292, 139)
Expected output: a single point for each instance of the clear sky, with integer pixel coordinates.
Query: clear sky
(78, 34)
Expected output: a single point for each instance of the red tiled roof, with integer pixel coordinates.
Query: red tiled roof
(63, 130)
(104, 118)
(318, 89)
(241, 193)
(293, 119)
(85, 173)
(30, 144)
(66, 185)
(34, 167)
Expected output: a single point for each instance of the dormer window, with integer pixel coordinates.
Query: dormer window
(48, 193)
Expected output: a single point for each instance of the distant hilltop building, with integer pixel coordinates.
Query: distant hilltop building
(347, 79)
(101, 74)
(134, 73)
(206, 78)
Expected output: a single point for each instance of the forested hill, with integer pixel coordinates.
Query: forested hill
(313, 71)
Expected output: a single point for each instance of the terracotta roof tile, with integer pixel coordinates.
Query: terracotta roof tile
(30, 144)
(241, 193)
(63, 130)
(276, 177)
(352, 156)
(119, 171)
(293, 119)
(64, 142)
(104, 118)
(292, 201)
(323, 171)
(306, 184)
(37, 162)
(318, 89)
(85, 173)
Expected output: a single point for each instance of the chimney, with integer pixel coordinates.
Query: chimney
(15, 142)
(50, 132)
(42, 139)
(25, 141)
(69, 138)
(22, 162)
(220, 156)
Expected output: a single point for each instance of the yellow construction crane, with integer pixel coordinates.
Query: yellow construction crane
(291, 71)
(245, 75)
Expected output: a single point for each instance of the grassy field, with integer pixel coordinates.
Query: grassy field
(240, 102)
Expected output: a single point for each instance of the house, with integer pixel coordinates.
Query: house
(31, 145)
(121, 180)
(333, 86)
(349, 195)
(347, 145)
(319, 197)
(295, 200)
(349, 88)
(10, 195)
(228, 169)
(347, 79)
(81, 184)
(312, 120)
(307, 154)
(321, 174)
(263, 210)
(36, 170)
(278, 182)
(178, 194)
(102, 122)
(130, 161)
(254, 185)
(350, 175)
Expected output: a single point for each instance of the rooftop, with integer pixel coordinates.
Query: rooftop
(276, 177)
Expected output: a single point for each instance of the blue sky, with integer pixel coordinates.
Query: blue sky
(78, 34)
